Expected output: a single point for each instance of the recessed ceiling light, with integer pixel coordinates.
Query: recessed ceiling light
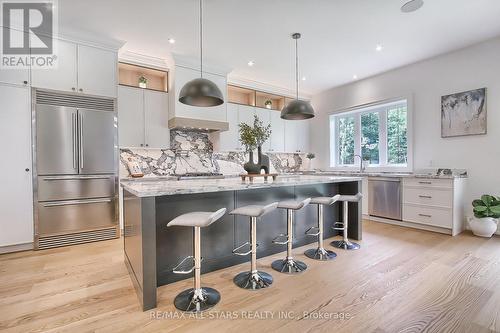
(412, 5)
(354, 77)
(303, 78)
(171, 41)
(379, 48)
(251, 63)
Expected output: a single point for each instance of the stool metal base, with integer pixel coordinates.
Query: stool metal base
(253, 281)
(320, 254)
(289, 266)
(341, 244)
(204, 299)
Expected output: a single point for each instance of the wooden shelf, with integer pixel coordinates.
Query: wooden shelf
(239, 95)
(277, 102)
(129, 75)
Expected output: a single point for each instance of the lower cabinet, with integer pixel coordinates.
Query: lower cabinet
(436, 203)
(142, 118)
(16, 192)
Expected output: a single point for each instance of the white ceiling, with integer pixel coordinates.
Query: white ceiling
(338, 36)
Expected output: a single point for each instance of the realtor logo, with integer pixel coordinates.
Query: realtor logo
(27, 34)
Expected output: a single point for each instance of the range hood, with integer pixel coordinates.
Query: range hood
(197, 124)
(182, 116)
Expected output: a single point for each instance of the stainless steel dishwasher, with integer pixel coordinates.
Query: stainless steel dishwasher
(384, 197)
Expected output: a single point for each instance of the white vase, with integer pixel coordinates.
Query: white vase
(483, 227)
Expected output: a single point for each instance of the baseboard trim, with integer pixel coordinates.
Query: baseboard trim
(16, 248)
(409, 224)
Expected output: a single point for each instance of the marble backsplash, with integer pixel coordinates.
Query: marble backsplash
(192, 151)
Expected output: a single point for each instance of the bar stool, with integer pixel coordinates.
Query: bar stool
(198, 298)
(289, 265)
(345, 243)
(320, 253)
(253, 279)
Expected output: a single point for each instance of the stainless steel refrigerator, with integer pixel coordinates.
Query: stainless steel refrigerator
(76, 170)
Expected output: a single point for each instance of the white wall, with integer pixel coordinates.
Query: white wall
(474, 67)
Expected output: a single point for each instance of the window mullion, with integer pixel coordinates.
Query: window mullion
(357, 137)
(382, 130)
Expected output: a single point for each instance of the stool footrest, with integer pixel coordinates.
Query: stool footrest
(338, 228)
(312, 231)
(237, 250)
(281, 239)
(181, 267)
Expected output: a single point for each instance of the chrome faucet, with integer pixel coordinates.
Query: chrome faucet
(361, 168)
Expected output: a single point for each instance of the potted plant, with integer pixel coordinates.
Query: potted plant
(143, 82)
(262, 134)
(310, 157)
(247, 139)
(268, 104)
(486, 214)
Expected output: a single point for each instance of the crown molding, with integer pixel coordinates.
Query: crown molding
(265, 87)
(194, 63)
(143, 60)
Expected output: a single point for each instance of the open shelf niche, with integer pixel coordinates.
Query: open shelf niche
(130, 74)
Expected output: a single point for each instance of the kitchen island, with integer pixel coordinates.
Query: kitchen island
(152, 250)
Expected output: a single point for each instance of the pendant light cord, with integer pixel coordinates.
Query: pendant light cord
(297, 67)
(201, 38)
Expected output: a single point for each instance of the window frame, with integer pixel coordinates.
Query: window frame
(381, 107)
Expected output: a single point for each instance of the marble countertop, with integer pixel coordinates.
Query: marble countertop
(159, 187)
(417, 174)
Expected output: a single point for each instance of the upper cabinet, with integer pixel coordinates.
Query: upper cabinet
(182, 76)
(16, 76)
(80, 68)
(296, 136)
(265, 116)
(277, 140)
(97, 71)
(229, 140)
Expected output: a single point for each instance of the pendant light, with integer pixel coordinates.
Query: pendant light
(297, 109)
(201, 92)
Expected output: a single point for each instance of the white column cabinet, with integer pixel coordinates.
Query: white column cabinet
(64, 76)
(245, 114)
(277, 143)
(296, 136)
(97, 71)
(142, 118)
(229, 140)
(16, 192)
(157, 133)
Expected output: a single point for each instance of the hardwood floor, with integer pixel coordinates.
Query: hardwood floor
(401, 280)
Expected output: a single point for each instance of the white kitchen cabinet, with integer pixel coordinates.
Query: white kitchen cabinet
(16, 193)
(183, 75)
(142, 118)
(157, 133)
(130, 117)
(14, 75)
(64, 76)
(296, 136)
(277, 140)
(97, 71)
(229, 140)
(245, 114)
(81, 69)
(265, 116)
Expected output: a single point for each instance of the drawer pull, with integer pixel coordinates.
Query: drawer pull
(75, 202)
(425, 215)
(76, 178)
(425, 196)
(427, 183)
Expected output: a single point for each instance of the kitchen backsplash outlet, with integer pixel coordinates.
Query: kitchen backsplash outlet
(192, 151)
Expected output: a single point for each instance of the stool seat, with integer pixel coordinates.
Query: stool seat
(197, 219)
(327, 201)
(254, 210)
(351, 198)
(293, 204)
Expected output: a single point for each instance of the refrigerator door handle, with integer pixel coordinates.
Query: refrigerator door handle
(75, 202)
(49, 178)
(73, 136)
(80, 116)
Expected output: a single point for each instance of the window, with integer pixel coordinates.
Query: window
(378, 134)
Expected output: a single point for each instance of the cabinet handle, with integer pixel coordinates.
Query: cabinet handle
(27, 169)
(425, 215)
(25, 82)
(147, 144)
(142, 145)
(425, 196)
(73, 88)
(81, 90)
(428, 183)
